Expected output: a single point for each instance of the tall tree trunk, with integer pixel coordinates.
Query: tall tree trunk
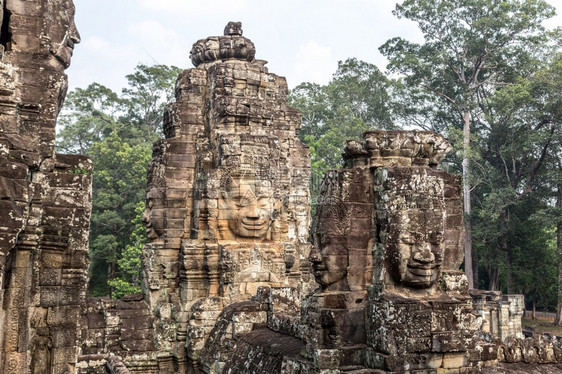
(509, 273)
(476, 280)
(506, 248)
(534, 314)
(110, 276)
(493, 274)
(466, 201)
(558, 320)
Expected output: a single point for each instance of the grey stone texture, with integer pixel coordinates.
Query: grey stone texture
(228, 196)
(45, 198)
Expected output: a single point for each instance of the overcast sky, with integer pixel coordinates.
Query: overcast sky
(302, 39)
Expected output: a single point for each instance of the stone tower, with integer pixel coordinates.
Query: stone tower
(228, 198)
(45, 198)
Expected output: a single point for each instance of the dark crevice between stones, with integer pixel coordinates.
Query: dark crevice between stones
(5, 33)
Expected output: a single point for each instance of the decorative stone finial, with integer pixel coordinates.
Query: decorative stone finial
(233, 28)
(230, 46)
(398, 147)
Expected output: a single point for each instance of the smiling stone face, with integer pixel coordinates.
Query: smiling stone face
(153, 216)
(330, 261)
(248, 205)
(411, 215)
(417, 255)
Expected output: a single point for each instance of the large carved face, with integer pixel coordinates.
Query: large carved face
(329, 255)
(153, 216)
(249, 206)
(329, 258)
(61, 30)
(417, 254)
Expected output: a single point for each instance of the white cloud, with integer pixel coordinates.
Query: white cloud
(194, 7)
(313, 63)
(104, 49)
(161, 44)
(94, 43)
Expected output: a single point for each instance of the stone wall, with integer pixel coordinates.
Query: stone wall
(45, 198)
(117, 327)
(501, 314)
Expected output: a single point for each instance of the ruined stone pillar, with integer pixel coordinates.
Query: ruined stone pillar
(420, 315)
(45, 197)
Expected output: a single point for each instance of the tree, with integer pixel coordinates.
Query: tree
(471, 48)
(117, 132)
(534, 253)
(88, 116)
(119, 186)
(547, 97)
(128, 280)
(515, 150)
(92, 114)
(354, 101)
(150, 88)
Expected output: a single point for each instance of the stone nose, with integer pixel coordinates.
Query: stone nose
(74, 35)
(253, 211)
(314, 255)
(424, 254)
(145, 216)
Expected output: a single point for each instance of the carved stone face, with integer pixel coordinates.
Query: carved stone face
(153, 216)
(240, 48)
(249, 207)
(62, 31)
(417, 255)
(329, 263)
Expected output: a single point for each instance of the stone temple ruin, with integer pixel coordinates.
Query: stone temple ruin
(231, 281)
(45, 198)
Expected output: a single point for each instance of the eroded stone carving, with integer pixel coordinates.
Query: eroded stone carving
(387, 248)
(230, 46)
(227, 216)
(247, 205)
(227, 198)
(45, 197)
(61, 31)
(413, 230)
(41, 347)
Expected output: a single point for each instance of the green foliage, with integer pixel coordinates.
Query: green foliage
(150, 88)
(471, 79)
(119, 185)
(354, 101)
(122, 287)
(471, 48)
(129, 279)
(517, 165)
(117, 132)
(88, 116)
